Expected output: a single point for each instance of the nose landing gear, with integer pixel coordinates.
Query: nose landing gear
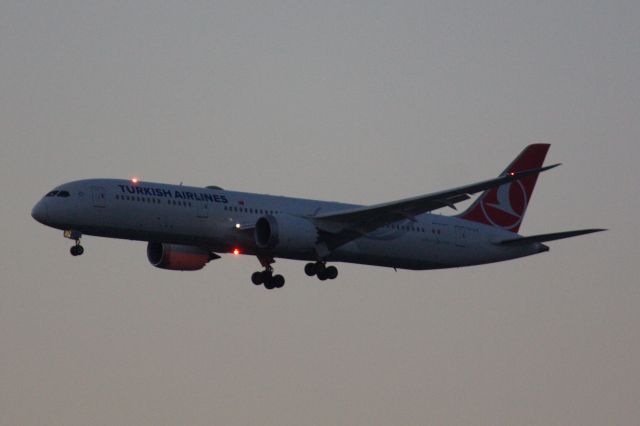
(321, 270)
(77, 249)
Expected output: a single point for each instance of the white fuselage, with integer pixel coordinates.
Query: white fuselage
(222, 221)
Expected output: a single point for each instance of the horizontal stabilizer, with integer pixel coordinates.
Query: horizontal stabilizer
(548, 237)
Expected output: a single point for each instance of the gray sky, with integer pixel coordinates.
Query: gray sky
(348, 101)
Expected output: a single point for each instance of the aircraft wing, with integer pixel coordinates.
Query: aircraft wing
(337, 228)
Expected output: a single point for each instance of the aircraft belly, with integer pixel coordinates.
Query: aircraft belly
(403, 252)
(415, 251)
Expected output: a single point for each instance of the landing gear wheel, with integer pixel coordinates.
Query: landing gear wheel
(332, 272)
(257, 278)
(322, 275)
(270, 284)
(76, 250)
(278, 281)
(310, 269)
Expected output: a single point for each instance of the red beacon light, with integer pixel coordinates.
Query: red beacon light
(135, 180)
(236, 251)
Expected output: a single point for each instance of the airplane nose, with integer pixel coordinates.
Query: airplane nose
(39, 212)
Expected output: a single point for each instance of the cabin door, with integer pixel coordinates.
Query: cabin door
(98, 196)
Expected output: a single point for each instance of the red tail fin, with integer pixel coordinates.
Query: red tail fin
(504, 207)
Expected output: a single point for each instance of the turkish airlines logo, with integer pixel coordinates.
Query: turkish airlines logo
(504, 207)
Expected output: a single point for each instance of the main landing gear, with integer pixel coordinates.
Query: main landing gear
(321, 270)
(266, 277)
(77, 249)
(270, 281)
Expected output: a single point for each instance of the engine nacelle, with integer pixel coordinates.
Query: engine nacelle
(177, 257)
(286, 233)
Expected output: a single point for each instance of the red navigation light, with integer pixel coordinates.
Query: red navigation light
(512, 173)
(236, 251)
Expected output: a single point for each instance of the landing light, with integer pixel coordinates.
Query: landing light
(236, 251)
(237, 226)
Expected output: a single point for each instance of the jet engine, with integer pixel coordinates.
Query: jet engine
(178, 257)
(288, 234)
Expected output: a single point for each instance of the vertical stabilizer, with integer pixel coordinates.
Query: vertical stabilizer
(504, 206)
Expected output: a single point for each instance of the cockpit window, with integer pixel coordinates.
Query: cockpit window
(64, 194)
(51, 194)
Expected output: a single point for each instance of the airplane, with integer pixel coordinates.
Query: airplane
(186, 227)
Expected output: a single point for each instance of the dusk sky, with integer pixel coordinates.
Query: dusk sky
(361, 102)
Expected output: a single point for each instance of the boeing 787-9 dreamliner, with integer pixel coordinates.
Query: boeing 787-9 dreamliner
(187, 227)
